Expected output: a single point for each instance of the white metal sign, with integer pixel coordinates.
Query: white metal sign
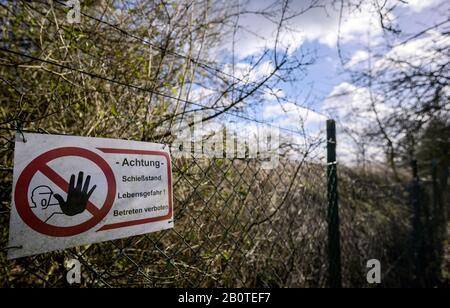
(70, 191)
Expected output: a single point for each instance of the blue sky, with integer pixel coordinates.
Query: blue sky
(327, 71)
(316, 32)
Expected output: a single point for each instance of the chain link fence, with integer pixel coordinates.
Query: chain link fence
(236, 224)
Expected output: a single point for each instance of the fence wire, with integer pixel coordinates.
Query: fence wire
(236, 224)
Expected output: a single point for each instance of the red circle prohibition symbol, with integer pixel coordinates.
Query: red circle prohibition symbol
(40, 164)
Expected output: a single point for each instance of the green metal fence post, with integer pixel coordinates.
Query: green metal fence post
(435, 227)
(417, 226)
(334, 246)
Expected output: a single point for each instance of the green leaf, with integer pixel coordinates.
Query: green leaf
(114, 110)
(226, 255)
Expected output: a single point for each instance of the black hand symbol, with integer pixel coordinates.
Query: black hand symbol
(77, 196)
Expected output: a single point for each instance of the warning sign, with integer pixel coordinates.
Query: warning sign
(70, 191)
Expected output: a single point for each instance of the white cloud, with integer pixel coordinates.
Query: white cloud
(354, 26)
(357, 58)
(321, 24)
(419, 5)
(352, 108)
(200, 94)
(273, 94)
(257, 33)
(415, 52)
(353, 105)
(248, 73)
(290, 115)
(342, 101)
(291, 40)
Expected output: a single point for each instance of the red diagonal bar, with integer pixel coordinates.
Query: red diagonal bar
(61, 183)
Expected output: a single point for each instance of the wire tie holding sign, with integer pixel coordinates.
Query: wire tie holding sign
(19, 130)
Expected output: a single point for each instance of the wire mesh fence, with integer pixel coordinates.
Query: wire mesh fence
(236, 224)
